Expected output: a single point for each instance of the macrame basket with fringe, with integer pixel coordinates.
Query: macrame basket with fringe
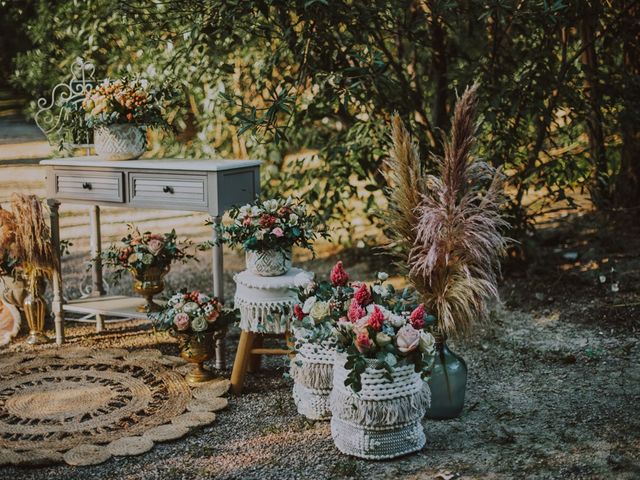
(312, 373)
(383, 420)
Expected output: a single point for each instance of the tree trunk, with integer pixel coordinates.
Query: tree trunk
(627, 191)
(599, 188)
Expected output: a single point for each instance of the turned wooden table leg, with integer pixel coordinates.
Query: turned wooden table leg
(95, 243)
(218, 291)
(57, 304)
(241, 362)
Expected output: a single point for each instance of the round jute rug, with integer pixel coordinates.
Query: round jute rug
(93, 406)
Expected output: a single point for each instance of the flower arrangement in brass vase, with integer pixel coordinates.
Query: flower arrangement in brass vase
(148, 257)
(447, 229)
(194, 318)
(32, 237)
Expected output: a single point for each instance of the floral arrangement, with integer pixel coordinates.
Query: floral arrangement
(9, 251)
(380, 326)
(192, 314)
(275, 224)
(141, 251)
(124, 101)
(321, 306)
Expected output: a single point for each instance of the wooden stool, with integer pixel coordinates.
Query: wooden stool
(266, 305)
(249, 354)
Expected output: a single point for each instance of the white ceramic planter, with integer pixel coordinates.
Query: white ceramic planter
(383, 420)
(119, 142)
(312, 373)
(268, 263)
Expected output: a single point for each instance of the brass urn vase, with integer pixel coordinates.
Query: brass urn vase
(148, 283)
(35, 310)
(197, 349)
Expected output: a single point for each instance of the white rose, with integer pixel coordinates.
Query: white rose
(308, 303)
(190, 307)
(293, 219)
(383, 276)
(397, 321)
(319, 311)
(427, 342)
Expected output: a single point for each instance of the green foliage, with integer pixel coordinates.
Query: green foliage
(323, 78)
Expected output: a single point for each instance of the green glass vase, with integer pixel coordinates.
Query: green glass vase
(448, 383)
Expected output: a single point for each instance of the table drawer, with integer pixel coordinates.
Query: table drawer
(88, 185)
(168, 191)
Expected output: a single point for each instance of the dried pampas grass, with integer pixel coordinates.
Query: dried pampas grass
(449, 225)
(33, 235)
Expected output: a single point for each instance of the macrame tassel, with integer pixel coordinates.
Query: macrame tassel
(379, 413)
(317, 376)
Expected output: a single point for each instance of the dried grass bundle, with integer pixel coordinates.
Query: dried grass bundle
(405, 191)
(449, 225)
(33, 235)
(7, 233)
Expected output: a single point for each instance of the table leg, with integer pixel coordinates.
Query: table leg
(54, 217)
(96, 249)
(240, 364)
(218, 290)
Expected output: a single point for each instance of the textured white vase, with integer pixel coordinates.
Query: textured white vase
(383, 420)
(119, 142)
(312, 373)
(268, 263)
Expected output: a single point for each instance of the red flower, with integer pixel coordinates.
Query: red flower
(339, 277)
(363, 342)
(376, 319)
(356, 312)
(363, 295)
(267, 221)
(417, 317)
(297, 311)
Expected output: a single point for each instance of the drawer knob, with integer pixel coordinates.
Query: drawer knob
(86, 185)
(167, 189)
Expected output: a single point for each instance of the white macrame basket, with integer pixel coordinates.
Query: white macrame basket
(119, 142)
(383, 420)
(312, 373)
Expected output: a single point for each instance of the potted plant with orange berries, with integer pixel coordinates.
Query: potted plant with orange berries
(119, 112)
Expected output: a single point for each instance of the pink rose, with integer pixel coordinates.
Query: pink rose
(363, 295)
(277, 232)
(155, 246)
(363, 342)
(356, 312)
(339, 277)
(181, 321)
(407, 339)
(213, 316)
(417, 317)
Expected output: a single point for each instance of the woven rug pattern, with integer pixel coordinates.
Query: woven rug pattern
(64, 400)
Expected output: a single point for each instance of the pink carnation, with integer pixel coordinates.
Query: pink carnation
(339, 277)
(356, 312)
(376, 319)
(278, 232)
(363, 295)
(417, 317)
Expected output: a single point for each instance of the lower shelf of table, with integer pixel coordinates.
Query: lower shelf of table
(109, 306)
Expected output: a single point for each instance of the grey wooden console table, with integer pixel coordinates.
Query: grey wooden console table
(164, 184)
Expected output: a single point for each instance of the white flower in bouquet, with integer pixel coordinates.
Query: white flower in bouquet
(270, 205)
(308, 303)
(260, 234)
(383, 276)
(381, 290)
(199, 324)
(293, 219)
(147, 259)
(408, 339)
(255, 211)
(427, 343)
(382, 339)
(202, 298)
(289, 201)
(397, 321)
(319, 311)
(245, 211)
(132, 258)
(190, 307)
